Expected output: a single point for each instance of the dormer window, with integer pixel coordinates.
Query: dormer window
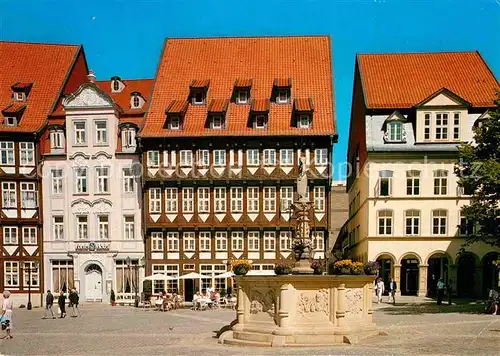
(282, 90)
(117, 85)
(394, 128)
(128, 137)
(175, 114)
(282, 96)
(198, 98)
(260, 121)
(394, 131)
(303, 109)
(19, 96)
(12, 114)
(304, 122)
(175, 123)
(217, 123)
(56, 140)
(241, 94)
(259, 111)
(136, 101)
(20, 91)
(10, 121)
(198, 92)
(217, 113)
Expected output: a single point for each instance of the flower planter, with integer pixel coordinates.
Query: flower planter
(318, 271)
(241, 270)
(283, 270)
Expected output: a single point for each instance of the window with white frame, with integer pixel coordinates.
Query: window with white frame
(62, 275)
(9, 195)
(29, 236)
(136, 101)
(102, 177)
(394, 131)
(128, 180)
(269, 199)
(320, 156)
(174, 123)
(220, 200)
(266, 267)
(217, 122)
(28, 196)
(154, 200)
(282, 96)
(81, 180)
(319, 199)
(101, 132)
(385, 222)
(203, 158)
(128, 137)
(412, 222)
(189, 241)
(19, 96)
(456, 126)
(219, 158)
(57, 181)
(7, 153)
(440, 182)
(103, 227)
(153, 158)
(413, 183)
(57, 139)
(285, 241)
(236, 199)
(58, 227)
(253, 240)
(187, 200)
(11, 274)
(157, 241)
(269, 241)
(221, 241)
(441, 126)
(210, 281)
(10, 121)
(304, 122)
(82, 227)
(385, 183)
(203, 200)
(186, 158)
(129, 225)
(205, 241)
(269, 157)
(242, 96)
(318, 241)
(253, 157)
(253, 199)
(286, 197)
(427, 126)
(172, 241)
(237, 241)
(168, 270)
(27, 153)
(286, 157)
(439, 222)
(260, 121)
(34, 273)
(171, 203)
(80, 131)
(10, 235)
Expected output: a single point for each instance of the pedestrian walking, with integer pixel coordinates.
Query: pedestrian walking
(380, 289)
(6, 318)
(49, 302)
(61, 301)
(449, 291)
(74, 300)
(440, 291)
(392, 291)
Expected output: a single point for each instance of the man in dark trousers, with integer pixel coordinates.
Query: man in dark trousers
(49, 302)
(392, 291)
(62, 303)
(73, 300)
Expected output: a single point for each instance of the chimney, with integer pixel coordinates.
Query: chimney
(91, 76)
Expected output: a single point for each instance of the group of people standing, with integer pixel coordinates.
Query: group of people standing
(74, 300)
(440, 287)
(380, 289)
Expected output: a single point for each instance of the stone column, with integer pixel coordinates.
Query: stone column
(240, 308)
(397, 278)
(369, 302)
(478, 282)
(422, 280)
(340, 314)
(452, 274)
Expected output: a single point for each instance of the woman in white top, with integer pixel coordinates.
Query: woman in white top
(380, 289)
(7, 313)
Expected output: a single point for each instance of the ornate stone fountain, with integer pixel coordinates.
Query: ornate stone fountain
(301, 309)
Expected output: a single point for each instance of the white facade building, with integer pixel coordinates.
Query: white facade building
(92, 198)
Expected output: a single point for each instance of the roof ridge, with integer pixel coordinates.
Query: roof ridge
(422, 52)
(43, 43)
(243, 37)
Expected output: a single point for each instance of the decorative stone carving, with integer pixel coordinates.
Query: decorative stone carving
(262, 302)
(302, 182)
(313, 302)
(354, 303)
(88, 95)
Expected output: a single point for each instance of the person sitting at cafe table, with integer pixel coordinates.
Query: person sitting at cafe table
(196, 299)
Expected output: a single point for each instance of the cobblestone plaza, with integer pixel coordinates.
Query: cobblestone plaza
(411, 328)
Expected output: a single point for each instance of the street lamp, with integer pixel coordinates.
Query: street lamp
(136, 267)
(26, 266)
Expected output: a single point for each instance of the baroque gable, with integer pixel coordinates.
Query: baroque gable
(88, 95)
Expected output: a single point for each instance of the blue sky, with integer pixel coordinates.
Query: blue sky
(124, 38)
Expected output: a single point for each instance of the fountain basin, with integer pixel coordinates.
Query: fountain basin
(302, 310)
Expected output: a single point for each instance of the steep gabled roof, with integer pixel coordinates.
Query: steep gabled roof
(305, 62)
(403, 80)
(122, 99)
(46, 66)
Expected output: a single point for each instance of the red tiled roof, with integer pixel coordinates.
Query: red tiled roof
(306, 59)
(177, 107)
(243, 83)
(20, 85)
(200, 83)
(44, 65)
(283, 82)
(260, 105)
(402, 80)
(218, 105)
(13, 108)
(123, 98)
(303, 104)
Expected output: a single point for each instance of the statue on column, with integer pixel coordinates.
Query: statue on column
(302, 182)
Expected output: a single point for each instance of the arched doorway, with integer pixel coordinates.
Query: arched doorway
(93, 282)
(466, 271)
(490, 272)
(409, 275)
(438, 269)
(386, 271)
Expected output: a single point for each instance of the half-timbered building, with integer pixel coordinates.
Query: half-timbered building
(229, 122)
(33, 77)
